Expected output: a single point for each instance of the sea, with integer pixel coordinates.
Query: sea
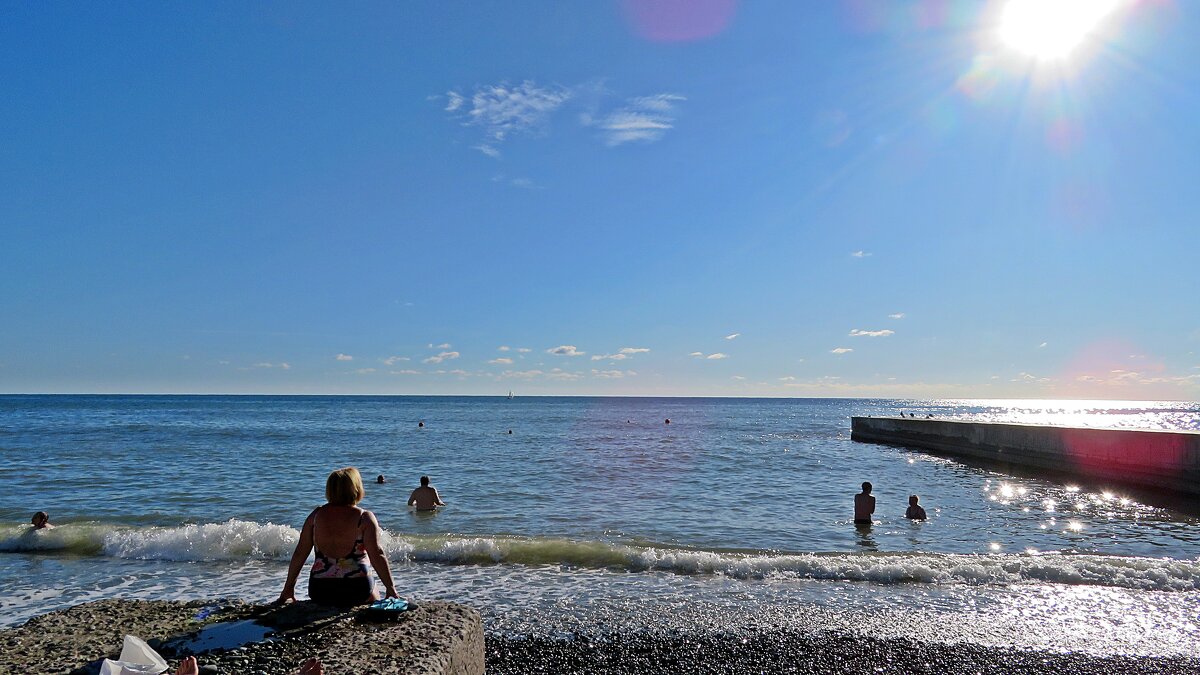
(565, 513)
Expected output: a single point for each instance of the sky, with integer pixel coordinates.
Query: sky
(844, 198)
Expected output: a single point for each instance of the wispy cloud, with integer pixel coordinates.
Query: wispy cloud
(523, 350)
(717, 356)
(739, 378)
(861, 254)
(871, 333)
(344, 357)
(732, 336)
(612, 374)
(522, 374)
(1042, 345)
(406, 371)
(565, 350)
(364, 371)
(444, 345)
(501, 361)
(787, 378)
(266, 364)
(696, 354)
(560, 374)
(642, 119)
(443, 356)
(621, 354)
(897, 315)
(503, 348)
(393, 360)
(502, 110)
(489, 150)
(840, 350)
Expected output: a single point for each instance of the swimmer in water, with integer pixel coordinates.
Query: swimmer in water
(41, 521)
(914, 511)
(381, 480)
(426, 497)
(864, 505)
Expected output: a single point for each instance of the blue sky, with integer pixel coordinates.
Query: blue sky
(858, 198)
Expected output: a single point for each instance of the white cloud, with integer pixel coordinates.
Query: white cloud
(502, 109)
(871, 333)
(897, 315)
(489, 150)
(503, 348)
(364, 371)
(501, 361)
(560, 374)
(717, 356)
(860, 254)
(612, 374)
(840, 350)
(565, 350)
(441, 357)
(524, 350)
(787, 378)
(459, 372)
(633, 350)
(1042, 345)
(281, 365)
(405, 372)
(444, 345)
(393, 360)
(644, 118)
(739, 378)
(611, 357)
(696, 354)
(522, 374)
(344, 357)
(732, 336)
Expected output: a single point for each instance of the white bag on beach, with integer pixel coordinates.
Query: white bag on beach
(137, 658)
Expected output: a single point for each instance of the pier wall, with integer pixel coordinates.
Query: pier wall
(1153, 460)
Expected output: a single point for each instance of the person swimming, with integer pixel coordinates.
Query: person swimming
(914, 511)
(41, 521)
(380, 479)
(864, 505)
(426, 497)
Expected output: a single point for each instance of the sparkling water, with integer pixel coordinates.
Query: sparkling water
(595, 510)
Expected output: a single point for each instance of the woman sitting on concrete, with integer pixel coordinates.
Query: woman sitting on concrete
(344, 537)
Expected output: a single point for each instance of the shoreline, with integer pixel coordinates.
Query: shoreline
(442, 637)
(782, 651)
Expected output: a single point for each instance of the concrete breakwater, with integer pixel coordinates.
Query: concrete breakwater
(437, 638)
(1160, 461)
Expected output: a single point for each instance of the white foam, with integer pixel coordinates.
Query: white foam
(242, 540)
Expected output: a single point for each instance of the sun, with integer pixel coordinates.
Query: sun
(1051, 29)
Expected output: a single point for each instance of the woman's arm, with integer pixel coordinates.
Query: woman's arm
(303, 548)
(371, 537)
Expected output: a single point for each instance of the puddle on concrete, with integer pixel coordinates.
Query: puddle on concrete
(220, 636)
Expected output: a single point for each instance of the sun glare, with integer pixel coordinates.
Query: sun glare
(1051, 29)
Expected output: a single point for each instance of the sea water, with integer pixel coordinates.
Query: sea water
(595, 511)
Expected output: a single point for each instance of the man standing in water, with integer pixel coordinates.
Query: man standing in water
(864, 505)
(426, 497)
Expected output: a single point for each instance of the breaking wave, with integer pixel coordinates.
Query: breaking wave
(238, 540)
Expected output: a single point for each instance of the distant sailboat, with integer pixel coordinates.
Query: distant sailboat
(510, 394)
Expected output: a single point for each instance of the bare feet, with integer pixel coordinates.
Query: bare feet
(189, 667)
(311, 667)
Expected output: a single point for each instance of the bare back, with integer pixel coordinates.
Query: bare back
(336, 529)
(864, 506)
(425, 498)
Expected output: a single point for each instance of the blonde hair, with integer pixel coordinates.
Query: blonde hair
(344, 487)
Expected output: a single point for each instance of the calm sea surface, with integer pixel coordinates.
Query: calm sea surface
(595, 509)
